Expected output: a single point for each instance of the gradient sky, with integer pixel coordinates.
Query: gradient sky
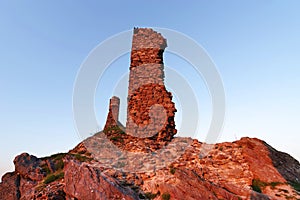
(254, 44)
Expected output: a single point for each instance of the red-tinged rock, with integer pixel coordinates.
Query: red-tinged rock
(185, 184)
(26, 188)
(80, 149)
(9, 187)
(287, 166)
(28, 166)
(86, 182)
(264, 170)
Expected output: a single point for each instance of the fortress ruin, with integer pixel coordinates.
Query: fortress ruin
(150, 110)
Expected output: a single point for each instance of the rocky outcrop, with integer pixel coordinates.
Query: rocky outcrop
(285, 164)
(187, 184)
(239, 170)
(34, 178)
(29, 167)
(83, 181)
(9, 186)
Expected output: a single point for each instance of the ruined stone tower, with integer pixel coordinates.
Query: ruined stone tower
(150, 111)
(113, 113)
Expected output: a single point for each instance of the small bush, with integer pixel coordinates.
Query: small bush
(295, 185)
(150, 195)
(115, 138)
(50, 179)
(257, 185)
(256, 188)
(53, 177)
(141, 196)
(166, 196)
(172, 170)
(60, 175)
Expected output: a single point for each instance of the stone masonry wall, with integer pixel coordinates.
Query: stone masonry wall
(150, 111)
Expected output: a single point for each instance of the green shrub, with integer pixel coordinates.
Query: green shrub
(150, 195)
(141, 196)
(60, 175)
(295, 185)
(256, 188)
(50, 178)
(53, 177)
(117, 138)
(257, 185)
(166, 196)
(172, 170)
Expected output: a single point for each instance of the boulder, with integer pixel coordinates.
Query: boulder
(28, 166)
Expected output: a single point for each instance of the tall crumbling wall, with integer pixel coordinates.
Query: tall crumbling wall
(113, 114)
(150, 111)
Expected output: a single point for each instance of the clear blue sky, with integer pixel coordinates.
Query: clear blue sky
(254, 44)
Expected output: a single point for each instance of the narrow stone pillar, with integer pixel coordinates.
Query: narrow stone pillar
(113, 114)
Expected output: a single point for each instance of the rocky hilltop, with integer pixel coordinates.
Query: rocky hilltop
(245, 169)
(144, 159)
